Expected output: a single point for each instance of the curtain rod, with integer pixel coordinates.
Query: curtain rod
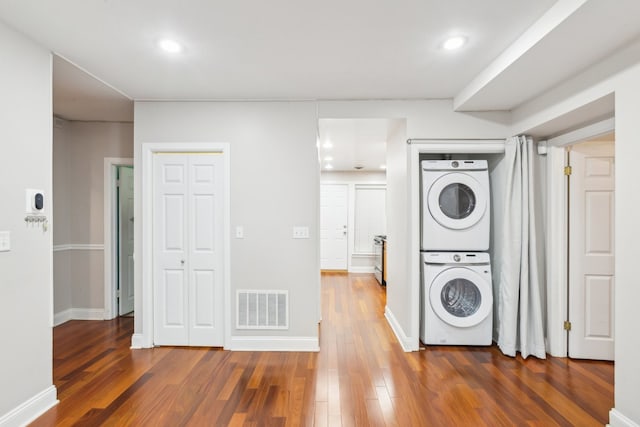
(418, 140)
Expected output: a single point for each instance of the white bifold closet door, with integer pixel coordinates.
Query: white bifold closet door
(188, 249)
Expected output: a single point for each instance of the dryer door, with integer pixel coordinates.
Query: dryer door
(457, 200)
(461, 297)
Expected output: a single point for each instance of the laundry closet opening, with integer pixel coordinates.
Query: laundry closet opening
(461, 205)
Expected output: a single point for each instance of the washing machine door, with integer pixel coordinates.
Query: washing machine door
(461, 297)
(457, 200)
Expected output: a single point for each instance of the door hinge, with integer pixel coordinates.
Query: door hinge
(567, 170)
(567, 325)
(117, 183)
(118, 293)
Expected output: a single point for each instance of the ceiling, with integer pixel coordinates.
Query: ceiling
(281, 49)
(353, 144)
(106, 53)
(79, 96)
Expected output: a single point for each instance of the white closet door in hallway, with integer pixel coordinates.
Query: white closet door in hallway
(188, 249)
(333, 226)
(591, 251)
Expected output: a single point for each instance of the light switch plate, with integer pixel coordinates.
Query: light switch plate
(5, 241)
(300, 232)
(239, 232)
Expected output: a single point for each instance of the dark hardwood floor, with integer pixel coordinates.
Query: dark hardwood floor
(361, 377)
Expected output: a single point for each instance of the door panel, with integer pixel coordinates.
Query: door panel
(125, 240)
(591, 251)
(170, 255)
(172, 214)
(599, 306)
(206, 251)
(333, 226)
(173, 293)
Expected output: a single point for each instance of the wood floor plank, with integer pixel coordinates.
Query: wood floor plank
(360, 377)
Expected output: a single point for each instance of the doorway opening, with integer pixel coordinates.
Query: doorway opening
(118, 237)
(577, 297)
(353, 156)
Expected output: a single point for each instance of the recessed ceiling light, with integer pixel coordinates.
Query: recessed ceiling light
(327, 144)
(328, 159)
(170, 46)
(328, 166)
(383, 166)
(453, 43)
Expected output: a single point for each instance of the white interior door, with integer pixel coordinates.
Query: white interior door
(591, 251)
(188, 249)
(333, 226)
(125, 240)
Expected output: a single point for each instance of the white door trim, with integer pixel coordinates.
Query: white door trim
(144, 258)
(111, 233)
(557, 263)
(556, 251)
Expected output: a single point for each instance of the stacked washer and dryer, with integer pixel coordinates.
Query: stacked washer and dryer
(457, 293)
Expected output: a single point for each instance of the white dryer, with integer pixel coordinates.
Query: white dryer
(457, 299)
(455, 205)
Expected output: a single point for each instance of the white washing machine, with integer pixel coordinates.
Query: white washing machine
(457, 299)
(455, 205)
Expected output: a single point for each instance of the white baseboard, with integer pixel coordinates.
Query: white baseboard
(264, 343)
(408, 344)
(78, 247)
(617, 419)
(78, 314)
(31, 409)
(361, 269)
(61, 317)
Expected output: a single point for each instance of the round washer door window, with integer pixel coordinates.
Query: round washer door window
(461, 297)
(457, 201)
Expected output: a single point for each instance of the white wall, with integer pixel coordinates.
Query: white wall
(619, 74)
(79, 149)
(399, 308)
(25, 271)
(274, 185)
(357, 263)
(627, 338)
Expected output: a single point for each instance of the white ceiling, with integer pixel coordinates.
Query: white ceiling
(353, 143)
(287, 49)
(279, 49)
(79, 96)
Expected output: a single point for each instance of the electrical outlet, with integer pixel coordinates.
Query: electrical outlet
(300, 232)
(5, 241)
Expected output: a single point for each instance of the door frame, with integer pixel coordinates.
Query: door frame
(111, 233)
(557, 228)
(144, 257)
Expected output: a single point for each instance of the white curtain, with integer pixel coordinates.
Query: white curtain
(520, 311)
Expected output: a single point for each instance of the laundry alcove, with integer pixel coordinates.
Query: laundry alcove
(493, 151)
